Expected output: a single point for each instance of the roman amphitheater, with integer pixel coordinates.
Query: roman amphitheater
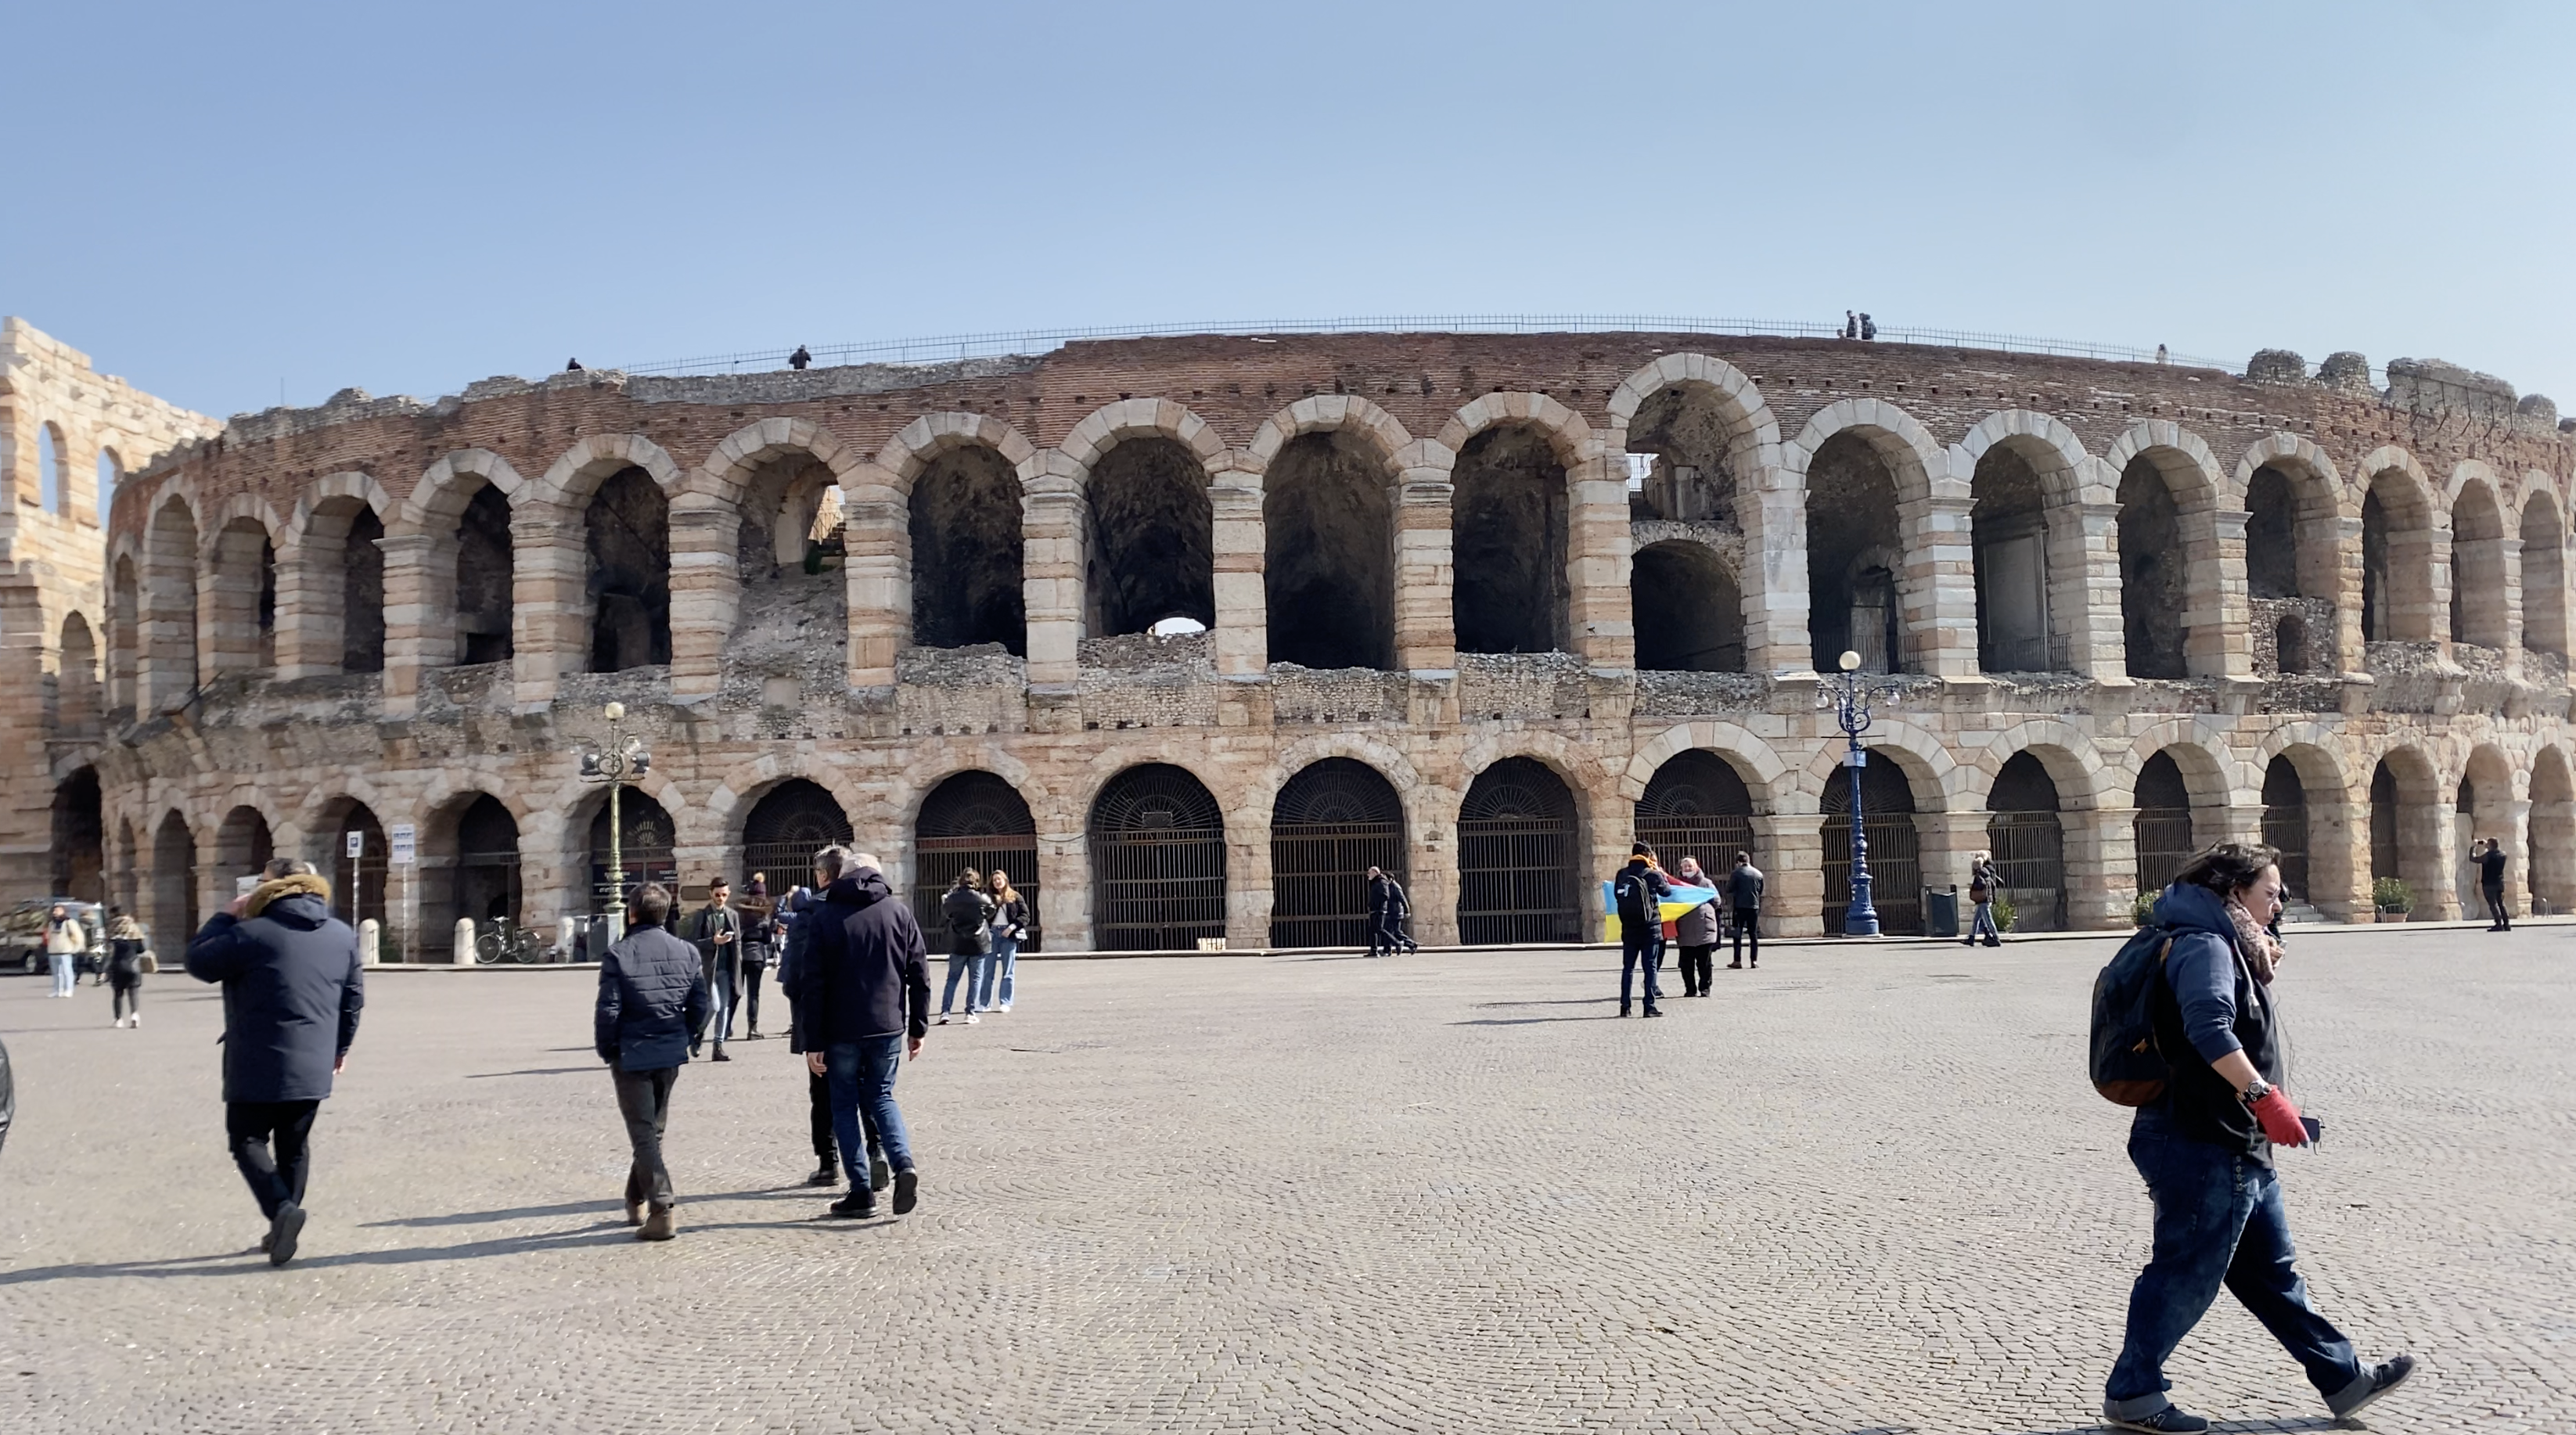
(1188, 631)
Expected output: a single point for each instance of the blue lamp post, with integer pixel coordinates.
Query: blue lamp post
(1851, 698)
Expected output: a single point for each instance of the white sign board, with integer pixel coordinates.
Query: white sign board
(357, 843)
(244, 886)
(405, 848)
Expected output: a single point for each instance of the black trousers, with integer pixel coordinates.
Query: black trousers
(644, 1099)
(125, 994)
(2495, 906)
(272, 1144)
(751, 994)
(1697, 963)
(1748, 928)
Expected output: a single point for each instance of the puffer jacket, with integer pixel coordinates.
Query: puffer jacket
(292, 990)
(653, 1001)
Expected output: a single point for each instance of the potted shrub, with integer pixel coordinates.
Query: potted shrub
(2142, 909)
(2393, 898)
(2003, 911)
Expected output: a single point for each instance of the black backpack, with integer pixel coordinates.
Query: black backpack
(2126, 1066)
(1636, 899)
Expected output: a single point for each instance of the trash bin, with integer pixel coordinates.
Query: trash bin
(1941, 912)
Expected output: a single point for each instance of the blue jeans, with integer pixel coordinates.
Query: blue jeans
(2218, 1221)
(66, 973)
(1983, 924)
(997, 972)
(1639, 951)
(861, 1074)
(969, 968)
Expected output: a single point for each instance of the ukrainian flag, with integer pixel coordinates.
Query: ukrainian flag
(1681, 899)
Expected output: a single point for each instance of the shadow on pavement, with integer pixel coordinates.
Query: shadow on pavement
(1532, 1020)
(573, 1208)
(535, 1071)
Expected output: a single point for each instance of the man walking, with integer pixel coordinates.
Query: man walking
(801, 906)
(1638, 892)
(2491, 865)
(716, 931)
(292, 993)
(653, 1004)
(864, 989)
(1744, 903)
(1388, 907)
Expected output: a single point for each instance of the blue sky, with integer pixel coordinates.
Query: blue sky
(217, 201)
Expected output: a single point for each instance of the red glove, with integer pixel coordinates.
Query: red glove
(2279, 1117)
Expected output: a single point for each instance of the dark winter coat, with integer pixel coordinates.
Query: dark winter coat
(653, 1001)
(1640, 890)
(2491, 865)
(2208, 1005)
(1744, 887)
(969, 915)
(1011, 918)
(795, 914)
(1387, 901)
(863, 969)
(1698, 926)
(292, 990)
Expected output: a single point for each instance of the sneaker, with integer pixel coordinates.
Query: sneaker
(1654, 1011)
(2375, 1382)
(826, 1174)
(856, 1206)
(135, 1020)
(972, 1018)
(943, 1020)
(878, 1173)
(283, 1229)
(2172, 1420)
(907, 1191)
(1006, 1006)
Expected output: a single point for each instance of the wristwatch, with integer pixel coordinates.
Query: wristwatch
(2256, 1092)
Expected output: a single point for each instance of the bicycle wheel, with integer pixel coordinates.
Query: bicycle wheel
(488, 947)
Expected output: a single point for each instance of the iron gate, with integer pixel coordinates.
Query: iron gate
(1517, 878)
(1895, 871)
(1157, 862)
(1696, 806)
(797, 819)
(2030, 857)
(2163, 837)
(1331, 823)
(975, 819)
(2285, 830)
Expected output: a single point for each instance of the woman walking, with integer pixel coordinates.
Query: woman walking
(1983, 883)
(1010, 925)
(125, 967)
(1696, 931)
(2205, 1149)
(969, 914)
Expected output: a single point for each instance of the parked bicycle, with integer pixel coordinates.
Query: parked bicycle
(509, 942)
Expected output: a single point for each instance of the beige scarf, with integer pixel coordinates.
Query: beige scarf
(270, 891)
(2261, 952)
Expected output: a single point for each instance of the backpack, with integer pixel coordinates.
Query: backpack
(2126, 1067)
(1634, 896)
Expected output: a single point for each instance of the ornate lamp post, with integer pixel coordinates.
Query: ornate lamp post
(624, 761)
(1851, 698)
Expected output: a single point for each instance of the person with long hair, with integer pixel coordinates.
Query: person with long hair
(2205, 1149)
(968, 914)
(125, 945)
(1010, 927)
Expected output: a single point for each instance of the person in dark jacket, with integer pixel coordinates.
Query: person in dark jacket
(1984, 884)
(968, 915)
(716, 931)
(2205, 1149)
(1388, 907)
(1639, 891)
(653, 1006)
(761, 934)
(1010, 929)
(292, 992)
(864, 988)
(1744, 904)
(801, 905)
(2491, 865)
(1695, 931)
(125, 968)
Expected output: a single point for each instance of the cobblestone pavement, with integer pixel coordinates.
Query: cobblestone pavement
(1861, 1190)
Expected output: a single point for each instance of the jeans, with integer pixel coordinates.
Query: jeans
(2218, 1220)
(1642, 949)
(66, 973)
(125, 995)
(720, 999)
(967, 967)
(818, 1099)
(2495, 907)
(862, 1074)
(276, 1176)
(644, 1099)
(1983, 924)
(996, 986)
(1748, 928)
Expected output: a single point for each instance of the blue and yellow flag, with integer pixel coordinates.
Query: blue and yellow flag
(1681, 899)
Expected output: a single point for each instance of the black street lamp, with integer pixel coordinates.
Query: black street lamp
(623, 762)
(1851, 698)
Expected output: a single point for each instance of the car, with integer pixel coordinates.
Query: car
(22, 934)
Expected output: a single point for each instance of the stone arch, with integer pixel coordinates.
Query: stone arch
(2029, 480)
(965, 554)
(2549, 845)
(746, 449)
(1331, 820)
(78, 823)
(170, 602)
(1698, 804)
(2026, 836)
(176, 904)
(1693, 608)
(2401, 518)
(1385, 436)
(2179, 793)
(1106, 427)
(574, 478)
(2173, 579)
(446, 486)
(1158, 860)
(925, 438)
(1145, 470)
(2481, 605)
(1566, 433)
(76, 685)
(124, 627)
(1521, 854)
(2067, 472)
(332, 589)
(244, 843)
(1706, 437)
(1753, 759)
(2484, 810)
(628, 594)
(2062, 749)
(1330, 486)
(2410, 821)
(1867, 474)
(1936, 780)
(473, 846)
(239, 560)
(1753, 434)
(2542, 527)
(2294, 560)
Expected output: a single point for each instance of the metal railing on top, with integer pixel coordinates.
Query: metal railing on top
(955, 347)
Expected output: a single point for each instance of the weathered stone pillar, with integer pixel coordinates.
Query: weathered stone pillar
(1776, 639)
(1240, 552)
(310, 596)
(2349, 639)
(550, 622)
(1430, 820)
(2217, 616)
(228, 584)
(1247, 881)
(2429, 855)
(2509, 558)
(2101, 866)
(420, 618)
(2339, 856)
(2097, 643)
(1949, 840)
(1601, 627)
(1939, 585)
(876, 535)
(1056, 535)
(1426, 638)
(706, 589)
(2518, 877)
(1064, 901)
(1790, 850)
(2432, 617)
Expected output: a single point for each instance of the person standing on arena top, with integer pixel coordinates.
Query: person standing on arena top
(863, 987)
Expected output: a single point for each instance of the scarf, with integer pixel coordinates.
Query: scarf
(2261, 952)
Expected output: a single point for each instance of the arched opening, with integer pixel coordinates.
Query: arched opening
(2290, 644)
(2396, 561)
(1689, 615)
(1688, 437)
(1697, 805)
(2480, 613)
(76, 689)
(2271, 536)
(1153, 538)
(243, 845)
(1508, 533)
(975, 819)
(174, 883)
(783, 831)
(357, 879)
(629, 528)
(468, 868)
(1328, 583)
(1333, 821)
(2384, 850)
(2155, 573)
(2285, 823)
(2407, 810)
(124, 634)
(49, 468)
(1157, 862)
(244, 609)
(2029, 843)
(2483, 810)
(80, 838)
(646, 841)
(362, 593)
(2016, 629)
(2162, 830)
(1854, 554)
(2544, 579)
(2290, 569)
(966, 550)
(170, 620)
(111, 472)
(791, 550)
(1519, 845)
(2552, 839)
(1895, 847)
(485, 575)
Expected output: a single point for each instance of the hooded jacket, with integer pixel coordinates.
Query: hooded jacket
(862, 969)
(2208, 1005)
(292, 990)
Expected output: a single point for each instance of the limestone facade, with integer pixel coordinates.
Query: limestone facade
(1515, 578)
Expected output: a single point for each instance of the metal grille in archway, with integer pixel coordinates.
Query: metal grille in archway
(1895, 848)
(797, 819)
(644, 851)
(1697, 806)
(1517, 879)
(2285, 823)
(2162, 829)
(1331, 823)
(1157, 862)
(2029, 843)
(977, 820)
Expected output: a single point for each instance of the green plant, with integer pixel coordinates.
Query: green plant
(2003, 911)
(2391, 895)
(2142, 909)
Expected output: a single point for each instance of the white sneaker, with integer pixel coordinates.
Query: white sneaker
(972, 1018)
(135, 1020)
(1006, 1006)
(943, 1020)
